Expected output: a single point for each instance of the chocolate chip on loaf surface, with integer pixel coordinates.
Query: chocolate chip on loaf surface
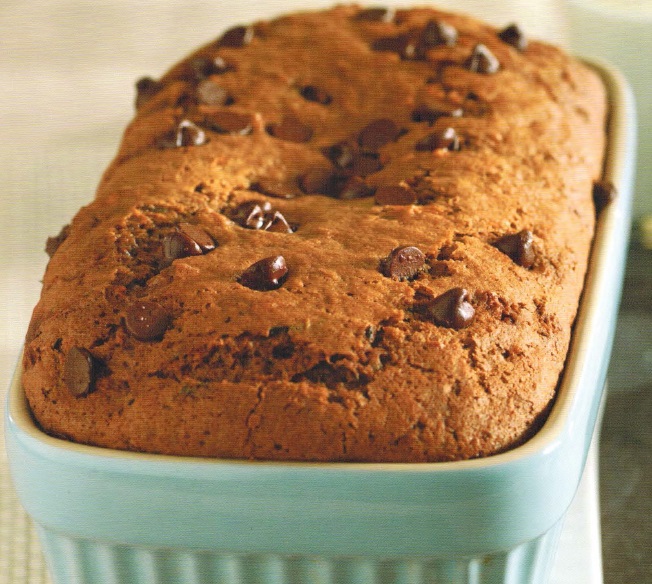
(351, 234)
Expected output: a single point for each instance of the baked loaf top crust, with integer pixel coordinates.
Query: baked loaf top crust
(353, 234)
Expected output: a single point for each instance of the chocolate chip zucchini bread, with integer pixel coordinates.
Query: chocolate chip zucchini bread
(355, 234)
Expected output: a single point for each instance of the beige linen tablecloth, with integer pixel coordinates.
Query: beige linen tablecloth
(67, 70)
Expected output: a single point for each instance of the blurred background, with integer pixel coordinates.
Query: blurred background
(67, 73)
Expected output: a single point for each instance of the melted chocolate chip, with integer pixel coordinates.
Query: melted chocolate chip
(146, 87)
(429, 114)
(354, 188)
(316, 94)
(79, 371)
(518, 246)
(375, 14)
(266, 274)
(225, 122)
(210, 93)
(452, 309)
(237, 37)
(445, 140)
(482, 60)
(146, 321)
(437, 33)
(395, 195)
(290, 129)
(603, 193)
(317, 180)
(378, 133)
(513, 35)
(403, 262)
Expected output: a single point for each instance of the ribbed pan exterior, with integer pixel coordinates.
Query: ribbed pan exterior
(78, 561)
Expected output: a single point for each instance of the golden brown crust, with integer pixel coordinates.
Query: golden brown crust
(343, 357)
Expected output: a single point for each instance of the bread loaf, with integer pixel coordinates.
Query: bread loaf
(355, 234)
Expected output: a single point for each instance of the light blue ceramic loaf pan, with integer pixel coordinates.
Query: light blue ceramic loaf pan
(110, 517)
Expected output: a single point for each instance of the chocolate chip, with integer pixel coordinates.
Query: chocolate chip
(188, 240)
(513, 35)
(395, 195)
(197, 69)
(259, 216)
(276, 331)
(202, 67)
(179, 245)
(52, 243)
(375, 14)
(251, 214)
(482, 60)
(404, 44)
(317, 180)
(184, 101)
(237, 37)
(444, 140)
(272, 188)
(603, 193)
(210, 93)
(366, 163)
(276, 223)
(197, 234)
(79, 371)
(283, 351)
(290, 129)
(341, 155)
(266, 274)
(186, 134)
(429, 114)
(437, 33)
(146, 87)
(403, 262)
(219, 66)
(518, 246)
(146, 321)
(314, 93)
(225, 122)
(378, 133)
(452, 309)
(348, 157)
(354, 188)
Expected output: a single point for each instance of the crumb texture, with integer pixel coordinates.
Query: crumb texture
(342, 235)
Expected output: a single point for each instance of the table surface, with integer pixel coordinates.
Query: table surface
(626, 441)
(67, 70)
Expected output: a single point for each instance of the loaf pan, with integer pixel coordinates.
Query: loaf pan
(107, 516)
